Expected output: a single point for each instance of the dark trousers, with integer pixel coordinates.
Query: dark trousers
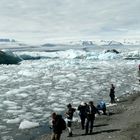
(112, 100)
(83, 118)
(104, 111)
(55, 136)
(89, 124)
(112, 97)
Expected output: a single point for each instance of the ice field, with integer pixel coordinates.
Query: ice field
(31, 90)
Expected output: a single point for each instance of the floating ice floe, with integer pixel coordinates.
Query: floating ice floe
(27, 73)
(71, 76)
(14, 91)
(7, 138)
(57, 109)
(13, 108)
(3, 78)
(26, 115)
(108, 56)
(47, 114)
(15, 112)
(23, 95)
(2, 127)
(9, 103)
(76, 101)
(16, 120)
(25, 124)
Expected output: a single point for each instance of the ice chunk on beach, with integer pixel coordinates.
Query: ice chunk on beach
(25, 124)
(2, 127)
(108, 105)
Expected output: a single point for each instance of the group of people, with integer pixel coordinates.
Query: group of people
(87, 113)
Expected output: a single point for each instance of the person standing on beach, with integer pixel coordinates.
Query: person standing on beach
(82, 113)
(112, 94)
(69, 116)
(57, 126)
(91, 111)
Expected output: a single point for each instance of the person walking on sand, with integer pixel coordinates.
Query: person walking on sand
(58, 125)
(91, 111)
(82, 113)
(69, 116)
(112, 94)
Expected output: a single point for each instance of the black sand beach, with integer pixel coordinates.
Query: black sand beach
(121, 123)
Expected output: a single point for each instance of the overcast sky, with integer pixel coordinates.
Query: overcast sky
(69, 18)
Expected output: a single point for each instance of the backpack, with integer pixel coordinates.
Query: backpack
(63, 124)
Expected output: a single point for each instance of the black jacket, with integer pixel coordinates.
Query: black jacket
(56, 124)
(91, 111)
(70, 113)
(82, 110)
(112, 91)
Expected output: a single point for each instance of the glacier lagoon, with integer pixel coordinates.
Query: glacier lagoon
(33, 89)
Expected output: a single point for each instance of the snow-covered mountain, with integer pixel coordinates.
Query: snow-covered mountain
(7, 43)
(87, 45)
(116, 42)
(103, 42)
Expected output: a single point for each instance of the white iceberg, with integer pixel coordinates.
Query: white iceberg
(25, 124)
(12, 121)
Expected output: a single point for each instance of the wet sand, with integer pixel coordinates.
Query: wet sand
(121, 123)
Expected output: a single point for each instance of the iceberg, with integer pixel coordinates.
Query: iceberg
(25, 124)
(7, 57)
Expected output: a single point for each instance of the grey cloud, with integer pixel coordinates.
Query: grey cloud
(70, 17)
